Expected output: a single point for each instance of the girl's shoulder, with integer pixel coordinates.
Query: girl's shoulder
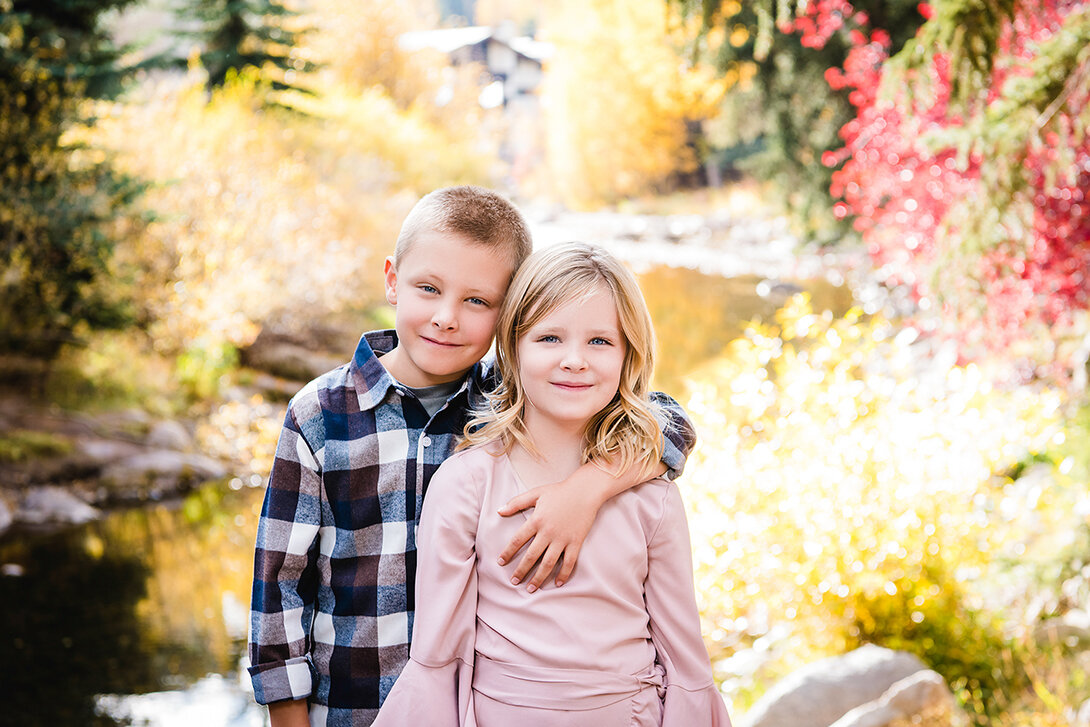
(462, 481)
(478, 458)
(655, 500)
(656, 489)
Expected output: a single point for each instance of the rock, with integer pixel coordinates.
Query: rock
(12, 570)
(777, 291)
(170, 434)
(921, 699)
(54, 505)
(277, 388)
(1082, 718)
(289, 357)
(820, 693)
(131, 421)
(6, 516)
(1072, 628)
(104, 451)
(160, 473)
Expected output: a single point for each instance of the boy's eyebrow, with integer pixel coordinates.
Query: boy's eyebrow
(432, 275)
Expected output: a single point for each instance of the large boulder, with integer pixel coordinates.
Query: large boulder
(1071, 629)
(159, 473)
(100, 451)
(6, 516)
(922, 699)
(50, 505)
(1082, 717)
(820, 693)
(291, 356)
(169, 434)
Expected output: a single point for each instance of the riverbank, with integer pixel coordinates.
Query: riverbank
(66, 467)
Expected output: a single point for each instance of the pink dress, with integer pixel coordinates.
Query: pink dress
(619, 645)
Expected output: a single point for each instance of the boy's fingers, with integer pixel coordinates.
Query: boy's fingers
(567, 565)
(529, 560)
(545, 568)
(522, 537)
(520, 502)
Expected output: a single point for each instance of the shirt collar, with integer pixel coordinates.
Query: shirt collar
(372, 381)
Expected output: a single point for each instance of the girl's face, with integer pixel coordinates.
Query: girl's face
(570, 362)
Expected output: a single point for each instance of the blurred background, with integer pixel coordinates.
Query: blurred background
(863, 229)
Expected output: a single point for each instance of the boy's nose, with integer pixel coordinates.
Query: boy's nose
(444, 319)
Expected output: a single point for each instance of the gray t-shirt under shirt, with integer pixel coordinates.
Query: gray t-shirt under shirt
(433, 397)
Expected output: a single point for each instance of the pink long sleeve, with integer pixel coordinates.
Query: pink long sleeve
(434, 689)
(691, 695)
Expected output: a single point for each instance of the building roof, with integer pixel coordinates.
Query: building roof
(449, 40)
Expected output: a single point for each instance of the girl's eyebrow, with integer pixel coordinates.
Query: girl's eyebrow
(597, 332)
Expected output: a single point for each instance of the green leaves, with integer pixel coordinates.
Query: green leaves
(57, 199)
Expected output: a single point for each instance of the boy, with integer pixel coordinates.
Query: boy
(335, 561)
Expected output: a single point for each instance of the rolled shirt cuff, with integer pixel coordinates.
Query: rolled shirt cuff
(281, 680)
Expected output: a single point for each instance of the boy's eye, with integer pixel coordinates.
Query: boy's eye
(478, 301)
(428, 288)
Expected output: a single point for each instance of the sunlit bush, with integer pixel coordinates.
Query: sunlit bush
(116, 370)
(250, 217)
(358, 46)
(619, 98)
(411, 148)
(845, 491)
(266, 214)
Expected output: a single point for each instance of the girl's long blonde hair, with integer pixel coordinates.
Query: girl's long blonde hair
(628, 430)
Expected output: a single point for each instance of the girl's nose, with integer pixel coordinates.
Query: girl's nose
(574, 360)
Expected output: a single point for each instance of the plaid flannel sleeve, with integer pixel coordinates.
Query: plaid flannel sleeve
(677, 431)
(285, 571)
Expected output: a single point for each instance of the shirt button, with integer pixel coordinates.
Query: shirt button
(426, 441)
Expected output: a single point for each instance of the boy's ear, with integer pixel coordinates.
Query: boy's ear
(390, 272)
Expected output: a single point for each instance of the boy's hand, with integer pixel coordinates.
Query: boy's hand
(562, 517)
(289, 714)
(555, 531)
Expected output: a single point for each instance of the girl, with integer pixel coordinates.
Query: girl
(618, 646)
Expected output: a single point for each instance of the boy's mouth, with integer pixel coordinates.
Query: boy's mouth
(445, 344)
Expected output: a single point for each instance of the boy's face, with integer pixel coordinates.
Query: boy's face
(447, 291)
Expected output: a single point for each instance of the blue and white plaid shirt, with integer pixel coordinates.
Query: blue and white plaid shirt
(335, 562)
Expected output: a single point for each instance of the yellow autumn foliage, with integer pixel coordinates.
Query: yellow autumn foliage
(618, 95)
(259, 213)
(357, 44)
(357, 49)
(848, 489)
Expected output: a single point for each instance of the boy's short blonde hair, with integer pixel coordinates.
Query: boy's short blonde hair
(481, 215)
(628, 430)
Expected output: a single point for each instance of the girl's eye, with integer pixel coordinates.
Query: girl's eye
(599, 341)
(548, 339)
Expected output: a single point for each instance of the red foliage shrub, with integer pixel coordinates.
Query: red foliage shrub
(916, 199)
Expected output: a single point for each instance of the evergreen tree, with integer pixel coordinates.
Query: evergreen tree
(57, 199)
(236, 34)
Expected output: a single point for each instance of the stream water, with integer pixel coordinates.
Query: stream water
(141, 617)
